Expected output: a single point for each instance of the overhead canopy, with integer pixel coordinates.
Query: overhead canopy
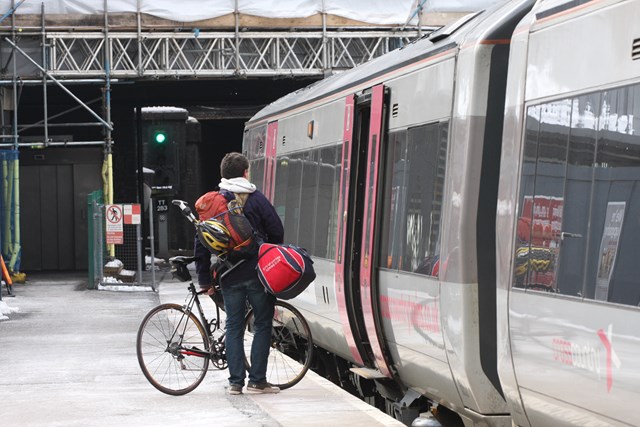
(381, 12)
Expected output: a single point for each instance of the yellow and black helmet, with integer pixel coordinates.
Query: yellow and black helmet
(214, 236)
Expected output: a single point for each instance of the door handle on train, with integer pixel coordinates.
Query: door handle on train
(565, 234)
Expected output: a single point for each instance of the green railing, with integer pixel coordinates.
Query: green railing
(95, 202)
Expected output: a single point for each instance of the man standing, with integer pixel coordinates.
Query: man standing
(242, 283)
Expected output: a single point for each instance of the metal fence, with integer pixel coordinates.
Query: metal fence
(128, 266)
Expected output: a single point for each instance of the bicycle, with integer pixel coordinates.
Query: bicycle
(175, 344)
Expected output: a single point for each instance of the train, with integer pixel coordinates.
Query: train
(472, 206)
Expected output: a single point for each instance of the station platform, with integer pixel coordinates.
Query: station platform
(69, 359)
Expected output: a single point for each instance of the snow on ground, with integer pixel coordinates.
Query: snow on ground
(6, 309)
(124, 288)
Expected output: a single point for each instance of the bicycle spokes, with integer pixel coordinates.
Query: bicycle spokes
(171, 349)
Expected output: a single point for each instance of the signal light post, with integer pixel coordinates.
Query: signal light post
(163, 137)
(162, 156)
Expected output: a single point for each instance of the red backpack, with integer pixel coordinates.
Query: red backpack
(211, 204)
(215, 206)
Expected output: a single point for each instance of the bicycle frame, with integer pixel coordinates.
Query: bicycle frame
(188, 307)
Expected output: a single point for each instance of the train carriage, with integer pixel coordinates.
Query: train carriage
(568, 288)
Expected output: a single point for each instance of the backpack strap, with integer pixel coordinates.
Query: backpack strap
(238, 202)
(241, 198)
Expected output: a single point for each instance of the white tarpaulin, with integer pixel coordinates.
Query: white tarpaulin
(383, 12)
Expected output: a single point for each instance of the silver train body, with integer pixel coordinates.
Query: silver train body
(470, 203)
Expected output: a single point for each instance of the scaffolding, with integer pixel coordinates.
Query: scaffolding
(99, 55)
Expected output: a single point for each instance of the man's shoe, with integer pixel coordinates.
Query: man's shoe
(234, 389)
(262, 388)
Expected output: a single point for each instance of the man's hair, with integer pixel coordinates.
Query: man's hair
(233, 165)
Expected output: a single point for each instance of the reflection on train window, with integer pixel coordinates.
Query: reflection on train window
(579, 206)
(412, 199)
(577, 196)
(306, 193)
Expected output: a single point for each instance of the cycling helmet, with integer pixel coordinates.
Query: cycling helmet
(214, 236)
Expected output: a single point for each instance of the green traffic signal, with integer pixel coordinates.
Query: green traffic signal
(159, 137)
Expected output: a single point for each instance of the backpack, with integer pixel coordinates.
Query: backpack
(214, 206)
(284, 270)
(211, 204)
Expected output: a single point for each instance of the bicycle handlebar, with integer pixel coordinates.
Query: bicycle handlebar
(186, 210)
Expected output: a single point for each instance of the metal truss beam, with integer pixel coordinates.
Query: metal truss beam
(216, 54)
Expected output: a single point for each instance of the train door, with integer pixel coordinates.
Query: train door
(355, 274)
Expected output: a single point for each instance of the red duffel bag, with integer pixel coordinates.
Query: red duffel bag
(284, 270)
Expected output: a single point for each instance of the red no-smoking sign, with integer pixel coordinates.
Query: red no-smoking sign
(113, 216)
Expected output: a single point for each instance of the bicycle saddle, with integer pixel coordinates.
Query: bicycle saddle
(183, 260)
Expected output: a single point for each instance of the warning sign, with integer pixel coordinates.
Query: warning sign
(113, 214)
(132, 214)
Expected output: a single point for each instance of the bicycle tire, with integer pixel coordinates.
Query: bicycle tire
(291, 349)
(166, 361)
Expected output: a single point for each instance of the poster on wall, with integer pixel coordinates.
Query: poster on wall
(609, 248)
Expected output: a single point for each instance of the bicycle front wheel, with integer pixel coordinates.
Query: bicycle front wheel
(172, 349)
(291, 346)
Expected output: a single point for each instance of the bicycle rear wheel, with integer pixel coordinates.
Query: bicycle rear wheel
(291, 346)
(171, 347)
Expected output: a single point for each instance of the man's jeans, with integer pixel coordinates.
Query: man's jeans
(235, 297)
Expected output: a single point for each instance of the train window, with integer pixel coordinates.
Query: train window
(255, 142)
(414, 179)
(292, 205)
(254, 145)
(393, 202)
(281, 197)
(327, 204)
(256, 171)
(577, 196)
(541, 195)
(615, 212)
(527, 180)
(579, 203)
(308, 199)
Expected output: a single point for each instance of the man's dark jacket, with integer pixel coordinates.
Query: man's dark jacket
(265, 222)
